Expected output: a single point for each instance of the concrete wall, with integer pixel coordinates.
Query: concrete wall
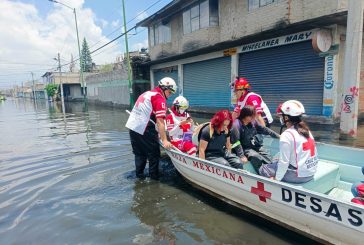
(66, 78)
(236, 21)
(109, 88)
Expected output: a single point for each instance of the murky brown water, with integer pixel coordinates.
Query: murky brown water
(68, 179)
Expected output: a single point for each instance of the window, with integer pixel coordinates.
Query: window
(202, 15)
(255, 4)
(159, 34)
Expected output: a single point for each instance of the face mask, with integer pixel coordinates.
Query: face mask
(281, 120)
(181, 111)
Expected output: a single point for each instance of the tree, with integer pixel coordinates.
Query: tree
(86, 57)
(51, 89)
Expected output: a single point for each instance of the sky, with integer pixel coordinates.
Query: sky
(32, 32)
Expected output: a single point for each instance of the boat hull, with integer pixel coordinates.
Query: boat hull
(312, 214)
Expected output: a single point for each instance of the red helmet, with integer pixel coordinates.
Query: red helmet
(241, 83)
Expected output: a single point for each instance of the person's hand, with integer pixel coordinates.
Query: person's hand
(244, 159)
(188, 120)
(167, 144)
(272, 178)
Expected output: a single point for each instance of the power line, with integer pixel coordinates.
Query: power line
(120, 27)
(99, 48)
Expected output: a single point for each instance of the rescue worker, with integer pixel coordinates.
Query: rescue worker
(214, 142)
(244, 138)
(298, 159)
(246, 97)
(180, 126)
(149, 113)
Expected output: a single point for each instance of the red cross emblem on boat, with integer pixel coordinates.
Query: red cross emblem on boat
(263, 194)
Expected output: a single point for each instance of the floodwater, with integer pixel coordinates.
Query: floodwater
(67, 178)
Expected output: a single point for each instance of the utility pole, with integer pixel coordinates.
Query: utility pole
(352, 61)
(79, 50)
(81, 61)
(34, 94)
(128, 61)
(60, 82)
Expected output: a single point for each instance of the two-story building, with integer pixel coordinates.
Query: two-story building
(287, 49)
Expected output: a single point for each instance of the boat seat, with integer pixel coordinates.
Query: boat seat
(326, 178)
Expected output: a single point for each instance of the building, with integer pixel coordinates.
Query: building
(286, 49)
(72, 88)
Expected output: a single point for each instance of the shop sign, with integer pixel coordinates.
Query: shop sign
(279, 41)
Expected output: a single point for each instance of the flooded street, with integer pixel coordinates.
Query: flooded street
(68, 179)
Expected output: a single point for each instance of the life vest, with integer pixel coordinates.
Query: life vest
(197, 132)
(142, 110)
(304, 156)
(265, 108)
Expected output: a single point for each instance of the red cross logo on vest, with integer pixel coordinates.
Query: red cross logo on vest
(263, 194)
(309, 145)
(140, 100)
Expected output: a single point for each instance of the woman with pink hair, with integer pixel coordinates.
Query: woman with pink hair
(215, 141)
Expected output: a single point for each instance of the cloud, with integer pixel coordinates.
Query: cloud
(115, 23)
(138, 46)
(141, 15)
(29, 41)
(104, 23)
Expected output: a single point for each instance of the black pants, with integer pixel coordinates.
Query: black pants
(146, 147)
(257, 157)
(228, 160)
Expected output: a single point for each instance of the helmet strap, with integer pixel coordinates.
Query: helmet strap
(164, 93)
(282, 127)
(285, 121)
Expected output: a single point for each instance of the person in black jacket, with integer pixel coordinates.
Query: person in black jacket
(246, 143)
(215, 141)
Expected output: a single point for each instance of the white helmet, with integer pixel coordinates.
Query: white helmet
(292, 108)
(181, 104)
(168, 83)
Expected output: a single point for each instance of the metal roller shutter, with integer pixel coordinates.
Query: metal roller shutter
(159, 74)
(206, 83)
(287, 72)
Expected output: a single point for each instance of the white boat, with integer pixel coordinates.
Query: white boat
(320, 209)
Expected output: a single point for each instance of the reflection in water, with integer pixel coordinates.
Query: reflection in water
(149, 208)
(175, 213)
(67, 178)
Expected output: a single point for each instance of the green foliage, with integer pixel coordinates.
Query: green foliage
(51, 89)
(86, 57)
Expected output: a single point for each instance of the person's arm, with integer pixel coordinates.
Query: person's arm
(236, 112)
(266, 131)
(236, 144)
(202, 148)
(284, 159)
(234, 115)
(256, 101)
(228, 144)
(260, 120)
(162, 133)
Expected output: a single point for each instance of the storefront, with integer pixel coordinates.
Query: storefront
(206, 83)
(285, 68)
